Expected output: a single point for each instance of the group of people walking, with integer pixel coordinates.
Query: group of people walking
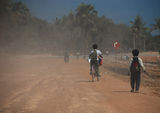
(135, 67)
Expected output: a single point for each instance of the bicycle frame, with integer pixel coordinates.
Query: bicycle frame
(94, 74)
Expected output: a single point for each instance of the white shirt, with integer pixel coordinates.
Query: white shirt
(140, 62)
(98, 52)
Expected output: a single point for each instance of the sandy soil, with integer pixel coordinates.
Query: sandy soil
(44, 84)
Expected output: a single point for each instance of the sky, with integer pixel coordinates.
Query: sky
(120, 11)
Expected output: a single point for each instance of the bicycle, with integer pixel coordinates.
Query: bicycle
(94, 74)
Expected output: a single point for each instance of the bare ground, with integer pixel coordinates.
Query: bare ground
(44, 84)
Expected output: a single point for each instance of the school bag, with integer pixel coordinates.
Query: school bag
(135, 65)
(93, 55)
(100, 61)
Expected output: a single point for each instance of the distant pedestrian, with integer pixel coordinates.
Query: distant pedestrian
(107, 53)
(77, 55)
(66, 57)
(95, 58)
(135, 66)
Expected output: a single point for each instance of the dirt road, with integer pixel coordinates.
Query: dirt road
(44, 84)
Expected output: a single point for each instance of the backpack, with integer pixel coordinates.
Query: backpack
(93, 55)
(135, 65)
(100, 61)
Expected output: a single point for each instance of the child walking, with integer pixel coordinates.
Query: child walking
(135, 66)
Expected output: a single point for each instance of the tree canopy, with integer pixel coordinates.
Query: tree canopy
(21, 32)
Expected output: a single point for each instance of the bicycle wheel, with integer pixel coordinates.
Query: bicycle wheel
(93, 73)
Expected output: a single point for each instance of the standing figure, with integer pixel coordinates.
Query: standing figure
(135, 66)
(66, 57)
(77, 55)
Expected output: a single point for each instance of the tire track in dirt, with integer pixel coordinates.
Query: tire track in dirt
(18, 96)
(65, 88)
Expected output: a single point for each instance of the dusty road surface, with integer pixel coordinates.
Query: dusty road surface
(45, 84)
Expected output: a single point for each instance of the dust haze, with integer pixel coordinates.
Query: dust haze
(23, 33)
(35, 79)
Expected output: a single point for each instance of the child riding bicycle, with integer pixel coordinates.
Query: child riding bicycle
(95, 58)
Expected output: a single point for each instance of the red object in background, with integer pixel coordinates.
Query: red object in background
(116, 44)
(100, 61)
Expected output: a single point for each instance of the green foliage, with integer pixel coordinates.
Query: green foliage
(156, 25)
(85, 16)
(139, 32)
(20, 32)
(138, 26)
(4, 6)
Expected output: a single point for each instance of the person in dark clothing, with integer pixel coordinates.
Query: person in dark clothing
(66, 57)
(135, 66)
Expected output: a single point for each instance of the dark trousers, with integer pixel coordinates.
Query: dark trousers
(96, 66)
(135, 78)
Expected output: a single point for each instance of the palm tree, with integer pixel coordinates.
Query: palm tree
(85, 14)
(138, 29)
(20, 8)
(157, 25)
(21, 12)
(85, 18)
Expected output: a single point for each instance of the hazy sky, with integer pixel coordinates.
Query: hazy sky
(120, 11)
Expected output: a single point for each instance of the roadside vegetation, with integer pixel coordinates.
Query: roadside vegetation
(21, 32)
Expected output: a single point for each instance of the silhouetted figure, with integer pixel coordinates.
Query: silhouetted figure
(135, 66)
(77, 55)
(66, 57)
(84, 57)
(107, 53)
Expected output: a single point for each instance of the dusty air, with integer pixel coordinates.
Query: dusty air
(79, 56)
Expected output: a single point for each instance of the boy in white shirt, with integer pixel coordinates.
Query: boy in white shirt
(94, 57)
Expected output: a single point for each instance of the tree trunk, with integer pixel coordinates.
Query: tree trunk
(134, 41)
(144, 44)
